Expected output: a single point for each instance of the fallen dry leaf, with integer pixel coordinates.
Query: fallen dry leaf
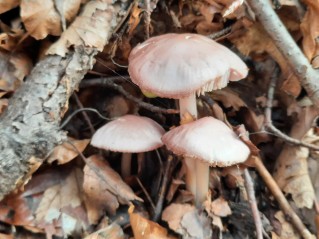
(91, 29)
(42, 17)
(287, 230)
(65, 152)
(250, 43)
(112, 180)
(113, 231)
(61, 210)
(146, 229)
(228, 98)
(15, 67)
(218, 207)
(310, 29)
(292, 175)
(9, 38)
(98, 197)
(6, 5)
(185, 220)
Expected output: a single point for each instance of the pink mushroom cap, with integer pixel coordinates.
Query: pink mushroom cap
(209, 140)
(177, 65)
(129, 134)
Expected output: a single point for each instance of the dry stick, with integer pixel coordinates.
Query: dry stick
(145, 192)
(308, 76)
(268, 122)
(282, 201)
(147, 18)
(253, 204)
(150, 107)
(85, 115)
(160, 201)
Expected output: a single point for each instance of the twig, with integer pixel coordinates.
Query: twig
(147, 18)
(139, 102)
(146, 193)
(268, 121)
(308, 76)
(220, 34)
(85, 115)
(282, 201)
(65, 122)
(159, 204)
(253, 204)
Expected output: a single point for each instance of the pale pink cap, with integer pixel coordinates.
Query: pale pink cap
(129, 134)
(209, 140)
(177, 65)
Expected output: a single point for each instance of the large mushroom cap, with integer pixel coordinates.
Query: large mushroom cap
(176, 65)
(209, 140)
(129, 134)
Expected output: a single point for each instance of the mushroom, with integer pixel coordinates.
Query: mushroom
(129, 134)
(180, 65)
(210, 141)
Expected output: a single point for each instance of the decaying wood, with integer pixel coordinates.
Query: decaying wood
(30, 126)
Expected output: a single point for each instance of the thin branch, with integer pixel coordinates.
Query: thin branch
(268, 121)
(282, 201)
(160, 201)
(249, 185)
(308, 76)
(147, 18)
(85, 115)
(120, 89)
(146, 193)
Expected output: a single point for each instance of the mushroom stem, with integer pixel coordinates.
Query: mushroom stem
(202, 182)
(197, 180)
(126, 165)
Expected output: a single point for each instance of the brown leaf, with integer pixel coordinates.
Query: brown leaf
(90, 29)
(134, 20)
(228, 98)
(65, 152)
(250, 43)
(98, 197)
(15, 67)
(218, 207)
(6, 5)
(113, 231)
(185, 220)
(60, 211)
(310, 29)
(41, 18)
(9, 38)
(292, 175)
(112, 180)
(146, 229)
(287, 230)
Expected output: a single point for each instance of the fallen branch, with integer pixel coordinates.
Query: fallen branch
(249, 185)
(308, 76)
(280, 198)
(30, 126)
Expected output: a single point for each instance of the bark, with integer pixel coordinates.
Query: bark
(29, 128)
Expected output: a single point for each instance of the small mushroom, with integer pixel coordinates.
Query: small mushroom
(210, 141)
(180, 65)
(129, 134)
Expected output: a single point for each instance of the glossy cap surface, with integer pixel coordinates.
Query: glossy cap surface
(177, 65)
(209, 140)
(129, 134)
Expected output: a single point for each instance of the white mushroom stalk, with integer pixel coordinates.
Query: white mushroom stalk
(209, 142)
(179, 66)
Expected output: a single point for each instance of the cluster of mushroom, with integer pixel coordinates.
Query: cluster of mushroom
(179, 66)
